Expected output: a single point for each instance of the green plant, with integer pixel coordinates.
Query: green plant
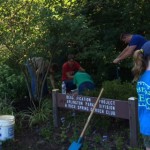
(106, 145)
(101, 122)
(5, 107)
(140, 148)
(118, 90)
(93, 93)
(63, 134)
(119, 141)
(11, 84)
(47, 133)
(38, 114)
(75, 136)
(85, 145)
(97, 139)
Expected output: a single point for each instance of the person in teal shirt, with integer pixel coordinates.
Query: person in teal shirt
(83, 82)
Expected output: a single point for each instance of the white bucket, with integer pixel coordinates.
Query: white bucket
(6, 127)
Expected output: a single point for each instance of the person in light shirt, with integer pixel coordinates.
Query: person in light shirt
(37, 69)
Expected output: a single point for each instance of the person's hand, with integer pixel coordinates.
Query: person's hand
(117, 60)
(37, 72)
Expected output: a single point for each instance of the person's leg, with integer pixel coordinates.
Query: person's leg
(90, 85)
(72, 85)
(41, 85)
(69, 85)
(85, 86)
(81, 88)
(34, 86)
(33, 79)
(146, 139)
(45, 88)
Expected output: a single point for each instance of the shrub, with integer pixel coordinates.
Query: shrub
(12, 85)
(5, 108)
(119, 90)
(38, 115)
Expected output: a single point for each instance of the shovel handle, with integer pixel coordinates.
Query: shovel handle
(89, 118)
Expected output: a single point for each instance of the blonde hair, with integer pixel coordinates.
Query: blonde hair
(140, 64)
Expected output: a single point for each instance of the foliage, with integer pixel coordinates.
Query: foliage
(38, 114)
(11, 84)
(140, 148)
(47, 132)
(119, 90)
(91, 93)
(88, 28)
(111, 18)
(63, 135)
(20, 29)
(43, 28)
(115, 89)
(5, 108)
(4, 53)
(119, 142)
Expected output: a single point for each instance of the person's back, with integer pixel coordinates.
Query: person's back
(40, 64)
(83, 81)
(81, 77)
(137, 40)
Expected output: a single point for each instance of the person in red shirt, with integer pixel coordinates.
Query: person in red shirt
(68, 70)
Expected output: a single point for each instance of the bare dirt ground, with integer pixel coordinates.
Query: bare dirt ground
(30, 139)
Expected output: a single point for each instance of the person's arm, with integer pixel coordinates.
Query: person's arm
(77, 67)
(123, 52)
(128, 51)
(52, 80)
(69, 75)
(74, 79)
(81, 69)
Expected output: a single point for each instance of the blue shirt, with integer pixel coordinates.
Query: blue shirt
(137, 40)
(143, 90)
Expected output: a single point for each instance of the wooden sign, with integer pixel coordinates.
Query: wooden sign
(105, 106)
(110, 107)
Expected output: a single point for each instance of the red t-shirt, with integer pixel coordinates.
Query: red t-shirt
(71, 69)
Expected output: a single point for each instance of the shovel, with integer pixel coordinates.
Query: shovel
(77, 145)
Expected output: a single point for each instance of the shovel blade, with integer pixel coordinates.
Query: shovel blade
(75, 146)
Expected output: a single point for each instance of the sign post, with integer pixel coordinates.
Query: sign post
(55, 107)
(133, 121)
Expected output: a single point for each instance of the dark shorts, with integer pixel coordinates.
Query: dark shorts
(85, 86)
(146, 139)
(69, 85)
